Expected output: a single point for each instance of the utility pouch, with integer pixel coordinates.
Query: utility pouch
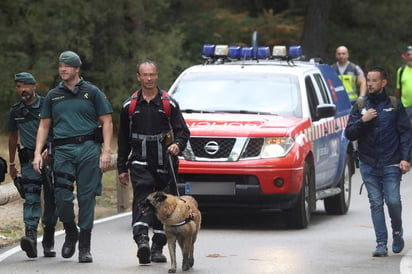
(98, 134)
(169, 138)
(18, 183)
(48, 176)
(25, 155)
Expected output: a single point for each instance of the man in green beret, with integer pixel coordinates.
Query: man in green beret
(80, 117)
(24, 118)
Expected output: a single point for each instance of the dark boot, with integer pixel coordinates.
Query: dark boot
(84, 246)
(48, 242)
(29, 242)
(69, 245)
(143, 248)
(156, 254)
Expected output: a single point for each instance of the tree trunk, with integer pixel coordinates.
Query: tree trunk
(314, 31)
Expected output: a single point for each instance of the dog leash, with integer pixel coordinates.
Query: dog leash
(173, 173)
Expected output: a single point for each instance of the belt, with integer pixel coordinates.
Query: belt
(144, 138)
(72, 140)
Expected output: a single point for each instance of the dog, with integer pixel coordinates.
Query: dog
(181, 220)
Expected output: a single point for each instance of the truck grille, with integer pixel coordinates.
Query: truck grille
(225, 148)
(254, 147)
(212, 147)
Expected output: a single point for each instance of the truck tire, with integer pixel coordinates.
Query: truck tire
(299, 216)
(339, 204)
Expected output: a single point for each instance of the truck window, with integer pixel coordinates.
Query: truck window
(322, 88)
(264, 93)
(312, 98)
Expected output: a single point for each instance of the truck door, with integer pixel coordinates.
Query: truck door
(325, 141)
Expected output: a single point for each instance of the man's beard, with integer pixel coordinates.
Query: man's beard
(26, 96)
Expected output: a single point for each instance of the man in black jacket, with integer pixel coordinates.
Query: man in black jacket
(152, 128)
(383, 132)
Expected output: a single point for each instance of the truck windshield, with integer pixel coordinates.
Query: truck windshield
(262, 93)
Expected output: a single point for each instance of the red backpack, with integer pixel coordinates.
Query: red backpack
(165, 102)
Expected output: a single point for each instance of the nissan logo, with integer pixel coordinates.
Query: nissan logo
(211, 147)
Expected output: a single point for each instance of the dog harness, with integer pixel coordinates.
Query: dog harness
(185, 221)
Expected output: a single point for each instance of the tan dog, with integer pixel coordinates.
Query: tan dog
(181, 219)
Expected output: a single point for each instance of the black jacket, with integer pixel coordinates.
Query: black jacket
(148, 119)
(385, 140)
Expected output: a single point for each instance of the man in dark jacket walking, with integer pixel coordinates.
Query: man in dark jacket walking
(151, 129)
(381, 127)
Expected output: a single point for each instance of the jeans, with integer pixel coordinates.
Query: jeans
(383, 185)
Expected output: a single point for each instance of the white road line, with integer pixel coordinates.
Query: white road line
(405, 266)
(16, 249)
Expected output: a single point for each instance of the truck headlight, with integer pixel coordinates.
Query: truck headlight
(275, 147)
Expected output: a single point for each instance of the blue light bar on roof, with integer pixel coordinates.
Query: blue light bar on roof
(208, 50)
(295, 51)
(263, 52)
(246, 52)
(234, 52)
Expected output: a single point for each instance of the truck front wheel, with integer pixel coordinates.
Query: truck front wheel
(299, 216)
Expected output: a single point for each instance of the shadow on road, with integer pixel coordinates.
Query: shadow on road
(252, 219)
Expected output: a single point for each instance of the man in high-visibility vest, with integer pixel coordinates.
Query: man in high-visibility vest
(404, 83)
(352, 76)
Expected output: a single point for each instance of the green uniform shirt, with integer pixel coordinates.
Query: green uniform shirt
(75, 113)
(25, 119)
(406, 97)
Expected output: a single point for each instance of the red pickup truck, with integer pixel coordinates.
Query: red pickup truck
(267, 132)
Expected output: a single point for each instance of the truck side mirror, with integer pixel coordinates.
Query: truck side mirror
(325, 110)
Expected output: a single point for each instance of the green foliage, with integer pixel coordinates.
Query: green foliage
(111, 37)
(375, 33)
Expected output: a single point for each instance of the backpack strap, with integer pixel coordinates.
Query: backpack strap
(394, 102)
(165, 103)
(360, 102)
(133, 103)
(400, 80)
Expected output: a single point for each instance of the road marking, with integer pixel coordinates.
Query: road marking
(406, 263)
(16, 249)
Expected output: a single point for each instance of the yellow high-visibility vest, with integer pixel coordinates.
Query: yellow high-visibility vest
(349, 80)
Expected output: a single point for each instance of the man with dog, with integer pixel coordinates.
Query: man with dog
(152, 132)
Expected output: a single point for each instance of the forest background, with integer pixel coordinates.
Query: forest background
(111, 37)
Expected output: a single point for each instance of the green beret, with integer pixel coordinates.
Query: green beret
(24, 77)
(70, 58)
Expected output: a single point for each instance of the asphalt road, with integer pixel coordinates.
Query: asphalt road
(243, 242)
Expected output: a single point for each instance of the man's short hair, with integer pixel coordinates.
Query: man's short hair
(145, 62)
(381, 70)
